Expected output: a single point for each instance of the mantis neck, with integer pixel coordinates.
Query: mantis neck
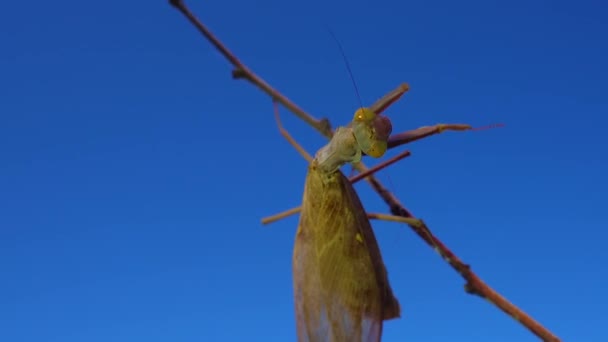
(341, 149)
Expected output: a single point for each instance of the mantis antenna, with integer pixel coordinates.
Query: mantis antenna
(348, 68)
(371, 138)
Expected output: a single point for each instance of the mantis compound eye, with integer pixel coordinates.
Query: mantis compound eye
(364, 115)
(372, 135)
(382, 127)
(377, 149)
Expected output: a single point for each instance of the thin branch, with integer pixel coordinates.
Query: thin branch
(389, 98)
(423, 132)
(380, 166)
(474, 284)
(426, 131)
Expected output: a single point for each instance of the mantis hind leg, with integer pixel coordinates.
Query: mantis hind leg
(417, 224)
(393, 218)
(288, 136)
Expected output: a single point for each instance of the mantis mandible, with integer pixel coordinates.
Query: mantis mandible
(341, 286)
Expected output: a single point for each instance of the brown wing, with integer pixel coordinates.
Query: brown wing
(341, 286)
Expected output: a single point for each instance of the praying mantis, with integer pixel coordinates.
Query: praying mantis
(341, 286)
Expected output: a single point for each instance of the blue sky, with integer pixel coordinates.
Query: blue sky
(134, 171)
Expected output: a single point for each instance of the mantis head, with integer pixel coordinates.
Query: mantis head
(371, 132)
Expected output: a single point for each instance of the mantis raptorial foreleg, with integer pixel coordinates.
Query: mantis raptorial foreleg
(289, 138)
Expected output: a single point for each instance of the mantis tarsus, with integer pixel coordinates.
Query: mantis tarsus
(341, 286)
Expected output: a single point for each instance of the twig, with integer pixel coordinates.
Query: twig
(423, 132)
(474, 284)
(389, 98)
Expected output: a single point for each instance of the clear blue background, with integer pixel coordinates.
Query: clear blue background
(134, 171)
